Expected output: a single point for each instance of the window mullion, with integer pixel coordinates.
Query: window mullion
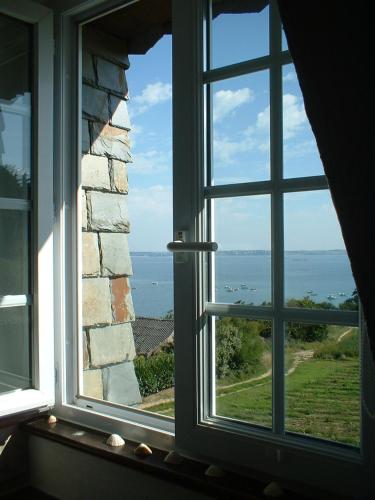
(277, 222)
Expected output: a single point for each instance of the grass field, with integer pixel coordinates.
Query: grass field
(322, 400)
(321, 386)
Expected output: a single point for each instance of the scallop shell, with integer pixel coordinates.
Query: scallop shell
(214, 471)
(173, 458)
(273, 490)
(115, 440)
(52, 419)
(142, 450)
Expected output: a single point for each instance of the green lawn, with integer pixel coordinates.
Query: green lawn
(322, 400)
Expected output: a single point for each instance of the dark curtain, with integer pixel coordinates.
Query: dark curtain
(332, 46)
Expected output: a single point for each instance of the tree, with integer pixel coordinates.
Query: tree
(351, 304)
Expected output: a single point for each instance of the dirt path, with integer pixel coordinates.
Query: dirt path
(167, 396)
(343, 335)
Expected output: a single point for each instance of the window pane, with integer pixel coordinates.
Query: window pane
(301, 155)
(15, 108)
(14, 348)
(241, 129)
(284, 43)
(14, 252)
(127, 283)
(238, 33)
(322, 382)
(243, 369)
(242, 268)
(317, 268)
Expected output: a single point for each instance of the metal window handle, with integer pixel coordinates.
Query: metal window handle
(185, 246)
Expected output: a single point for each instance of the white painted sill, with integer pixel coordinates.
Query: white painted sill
(23, 400)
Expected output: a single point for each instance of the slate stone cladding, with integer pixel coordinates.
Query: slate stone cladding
(107, 309)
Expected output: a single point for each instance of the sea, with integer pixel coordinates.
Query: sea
(244, 276)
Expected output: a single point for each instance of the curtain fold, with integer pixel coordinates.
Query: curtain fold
(332, 46)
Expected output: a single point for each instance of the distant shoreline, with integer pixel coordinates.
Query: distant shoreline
(248, 252)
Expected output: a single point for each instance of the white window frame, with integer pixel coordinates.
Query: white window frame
(42, 393)
(289, 456)
(196, 435)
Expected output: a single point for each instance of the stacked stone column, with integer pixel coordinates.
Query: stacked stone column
(107, 308)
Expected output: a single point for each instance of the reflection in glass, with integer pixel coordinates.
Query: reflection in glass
(301, 155)
(14, 252)
(244, 370)
(239, 33)
(15, 108)
(241, 129)
(14, 348)
(317, 268)
(242, 267)
(322, 382)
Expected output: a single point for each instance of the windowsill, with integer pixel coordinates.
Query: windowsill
(21, 401)
(189, 473)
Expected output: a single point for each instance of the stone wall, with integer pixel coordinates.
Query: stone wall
(107, 309)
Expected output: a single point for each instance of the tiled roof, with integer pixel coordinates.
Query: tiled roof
(150, 333)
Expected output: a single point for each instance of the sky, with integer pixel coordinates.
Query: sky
(240, 146)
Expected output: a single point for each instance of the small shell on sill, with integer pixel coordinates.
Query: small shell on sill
(142, 450)
(52, 420)
(173, 458)
(115, 440)
(273, 490)
(214, 471)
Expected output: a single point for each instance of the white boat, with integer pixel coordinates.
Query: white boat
(331, 297)
(155, 283)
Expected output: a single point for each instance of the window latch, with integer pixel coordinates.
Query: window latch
(180, 245)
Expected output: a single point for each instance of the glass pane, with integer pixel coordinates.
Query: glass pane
(301, 155)
(322, 382)
(14, 252)
(14, 348)
(242, 264)
(317, 268)
(127, 285)
(241, 129)
(239, 32)
(284, 43)
(15, 108)
(243, 367)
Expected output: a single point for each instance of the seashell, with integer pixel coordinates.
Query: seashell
(52, 419)
(173, 458)
(115, 440)
(273, 490)
(214, 471)
(142, 450)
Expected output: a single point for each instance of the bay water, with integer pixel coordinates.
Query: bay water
(244, 276)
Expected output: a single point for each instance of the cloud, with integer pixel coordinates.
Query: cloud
(226, 101)
(294, 116)
(290, 77)
(152, 94)
(225, 149)
(154, 201)
(151, 162)
(150, 215)
(300, 149)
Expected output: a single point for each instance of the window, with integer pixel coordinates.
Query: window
(26, 289)
(263, 333)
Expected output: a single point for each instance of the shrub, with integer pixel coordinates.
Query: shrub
(347, 348)
(154, 373)
(239, 347)
(307, 333)
(228, 345)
